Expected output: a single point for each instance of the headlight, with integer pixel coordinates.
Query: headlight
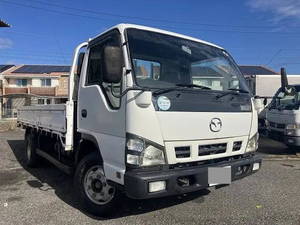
(290, 132)
(252, 143)
(142, 153)
(292, 126)
(292, 129)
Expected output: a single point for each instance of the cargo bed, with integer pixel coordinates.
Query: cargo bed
(47, 117)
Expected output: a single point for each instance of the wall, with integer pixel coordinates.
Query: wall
(267, 85)
(36, 82)
(62, 89)
(12, 82)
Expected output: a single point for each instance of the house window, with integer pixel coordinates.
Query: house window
(21, 82)
(42, 101)
(46, 82)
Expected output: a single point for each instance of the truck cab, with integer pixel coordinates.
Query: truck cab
(283, 116)
(151, 113)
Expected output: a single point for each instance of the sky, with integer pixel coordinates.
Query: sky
(255, 32)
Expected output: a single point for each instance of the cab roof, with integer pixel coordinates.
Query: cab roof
(123, 26)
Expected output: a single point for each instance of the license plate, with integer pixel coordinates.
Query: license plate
(219, 175)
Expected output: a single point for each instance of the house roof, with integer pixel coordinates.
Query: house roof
(38, 69)
(5, 67)
(256, 70)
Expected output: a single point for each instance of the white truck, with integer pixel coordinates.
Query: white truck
(283, 114)
(150, 113)
(264, 87)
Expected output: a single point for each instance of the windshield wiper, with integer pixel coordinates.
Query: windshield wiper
(193, 85)
(165, 90)
(134, 88)
(232, 91)
(179, 87)
(238, 90)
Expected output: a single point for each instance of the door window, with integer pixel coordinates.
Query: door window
(95, 69)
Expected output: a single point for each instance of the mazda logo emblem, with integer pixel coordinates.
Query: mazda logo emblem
(215, 125)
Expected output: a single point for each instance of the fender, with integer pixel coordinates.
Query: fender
(89, 141)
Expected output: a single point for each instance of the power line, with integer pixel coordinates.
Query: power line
(274, 56)
(35, 55)
(32, 57)
(150, 19)
(53, 53)
(51, 10)
(166, 26)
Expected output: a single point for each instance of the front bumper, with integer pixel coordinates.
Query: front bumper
(137, 183)
(280, 136)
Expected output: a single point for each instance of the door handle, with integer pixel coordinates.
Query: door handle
(84, 113)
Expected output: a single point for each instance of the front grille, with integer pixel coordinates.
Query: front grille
(277, 135)
(272, 124)
(183, 152)
(212, 149)
(280, 125)
(277, 125)
(210, 161)
(237, 146)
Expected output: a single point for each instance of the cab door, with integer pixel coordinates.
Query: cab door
(101, 115)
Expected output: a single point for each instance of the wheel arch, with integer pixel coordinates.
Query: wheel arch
(87, 145)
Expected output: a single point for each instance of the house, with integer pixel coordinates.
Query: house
(250, 70)
(263, 81)
(31, 85)
(254, 74)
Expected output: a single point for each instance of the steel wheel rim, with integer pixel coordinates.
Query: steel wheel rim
(96, 187)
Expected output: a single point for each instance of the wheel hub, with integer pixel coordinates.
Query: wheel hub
(96, 187)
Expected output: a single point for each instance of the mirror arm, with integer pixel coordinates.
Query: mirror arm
(135, 88)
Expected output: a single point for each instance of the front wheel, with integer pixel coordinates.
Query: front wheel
(96, 195)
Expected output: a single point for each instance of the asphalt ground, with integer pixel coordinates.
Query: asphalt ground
(46, 196)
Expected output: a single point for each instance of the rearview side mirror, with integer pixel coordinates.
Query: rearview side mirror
(258, 104)
(265, 101)
(113, 62)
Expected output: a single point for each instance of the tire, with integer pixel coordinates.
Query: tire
(96, 196)
(31, 158)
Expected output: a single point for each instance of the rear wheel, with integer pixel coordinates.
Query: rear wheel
(96, 195)
(31, 158)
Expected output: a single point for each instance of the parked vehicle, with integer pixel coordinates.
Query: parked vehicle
(264, 87)
(283, 114)
(150, 113)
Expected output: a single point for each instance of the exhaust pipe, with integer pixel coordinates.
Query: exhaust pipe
(284, 80)
(289, 90)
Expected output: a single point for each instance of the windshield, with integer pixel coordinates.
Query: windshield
(286, 101)
(164, 61)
